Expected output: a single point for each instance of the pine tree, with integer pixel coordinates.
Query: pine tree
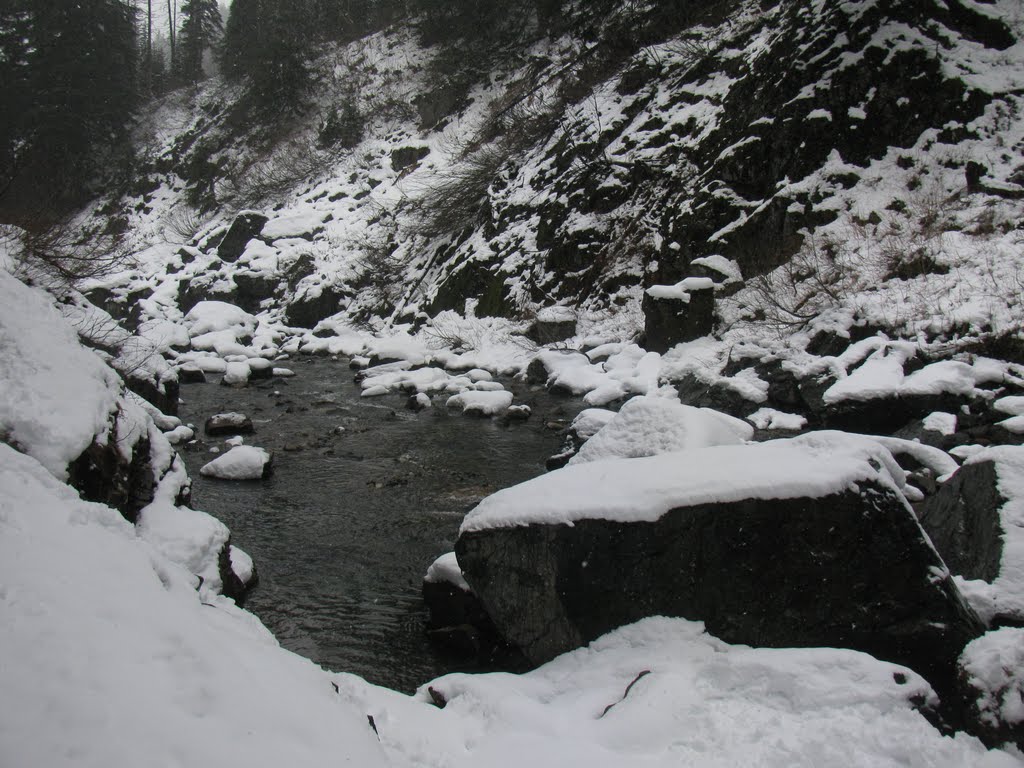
(200, 28)
(268, 42)
(78, 66)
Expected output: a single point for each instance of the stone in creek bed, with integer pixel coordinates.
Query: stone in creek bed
(229, 424)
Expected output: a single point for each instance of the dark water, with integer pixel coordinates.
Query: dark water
(346, 527)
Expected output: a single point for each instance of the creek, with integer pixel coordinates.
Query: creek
(364, 496)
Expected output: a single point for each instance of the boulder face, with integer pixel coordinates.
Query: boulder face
(669, 321)
(962, 520)
(849, 570)
(243, 229)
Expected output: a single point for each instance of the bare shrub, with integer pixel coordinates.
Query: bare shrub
(292, 163)
(818, 277)
(65, 253)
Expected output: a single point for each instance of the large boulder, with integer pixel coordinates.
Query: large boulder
(244, 228)
(801, 542)
(677, 313)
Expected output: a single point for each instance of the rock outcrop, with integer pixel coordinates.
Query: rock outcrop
(848, 568)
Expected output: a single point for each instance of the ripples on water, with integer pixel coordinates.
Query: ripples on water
(344, 530)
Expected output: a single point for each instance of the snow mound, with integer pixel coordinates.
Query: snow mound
(647, 426)
(446, 570)
(211, 316)
(590, 421)
(243, 462)
(491, 403)
(117, 662)
(994, 665)
(55, 396)
(769, 418)
(643, 489)
(662, 693)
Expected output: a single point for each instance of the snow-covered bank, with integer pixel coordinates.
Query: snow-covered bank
(111, 658)
(663, 692)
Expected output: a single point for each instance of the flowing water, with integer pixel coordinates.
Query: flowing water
(364, 495)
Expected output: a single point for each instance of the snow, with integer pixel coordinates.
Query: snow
(55, 396)
(681, 290)
(647, 426)
(994, 665)
(241, 564)
(446, 570)
(188, 537)
(242, 462)
(589, 421)
(813, 465)
(770, 418)
(209, 316)
(113, 659)
(237, 373)
(664, 693)
(943, 423)
(491, 403)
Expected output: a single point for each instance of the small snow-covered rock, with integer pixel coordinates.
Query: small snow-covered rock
(446, 569)
(992, 679)
(232, 423)
(418, 402)
(236, 375)
(210, 316)
(476, 403)
(243, 462)
(647, 426)
(180, 435)
(769, 418)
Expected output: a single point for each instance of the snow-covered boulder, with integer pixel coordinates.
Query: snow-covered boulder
(647, 426)
(992, 684)
(476, 403)
(212, 316)
(243, 462)
(236, 375)
(800, 542)
(232, 423)
(244, 228)
(665, 693)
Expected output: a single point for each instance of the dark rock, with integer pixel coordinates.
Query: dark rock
(693, 391)
(435, 106)
(163, 393)
(405, 157)
(551, 331)
(850, 570)
(668, 321)
(102, 474)
(537, 372)
(244, 228)
(962, 520)
(191, 374)
(253, 288)
(460, 626)
(306, 310)
(415, 403)
(232, 585)
(229, 424)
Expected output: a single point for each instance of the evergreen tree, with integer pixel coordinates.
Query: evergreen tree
(76, 61)
(268, 42)
(200, 28)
